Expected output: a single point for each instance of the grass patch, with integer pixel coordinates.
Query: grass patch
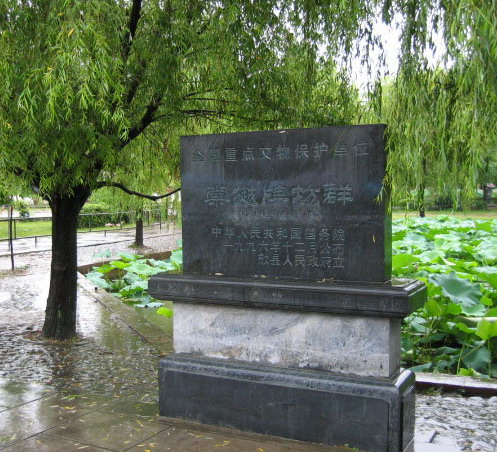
(470, 214)
(33, 227)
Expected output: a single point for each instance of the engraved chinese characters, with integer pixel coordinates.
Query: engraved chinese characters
(297, 203)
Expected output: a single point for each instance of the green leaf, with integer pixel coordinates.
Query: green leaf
(119, 264)
(131, 278)
(486, 329)
(134, 288)
(165, 312)
(487, 252)
(434, 256)
(142, 285)
(460, 291)
(402, 260)
(166, 265)
(117, 285)
(466, 372)
(465, 328)
(105, 268)
(477, 358)
(487, 301)
(446, 351)
(142, 269)
(433, 308)
(488, 274)
(97, 279)
(421, 367)
(454, 309)
(486, 226)
(177, 257)
(476, 310)
(128, 257)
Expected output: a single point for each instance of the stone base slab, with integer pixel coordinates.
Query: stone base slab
(357, 345)
(395, 299)
(316, 406)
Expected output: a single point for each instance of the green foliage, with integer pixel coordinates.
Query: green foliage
(22, 208)
(440, 113)
(84, 81)
(98, 215)
(456, 330)
(127, 278)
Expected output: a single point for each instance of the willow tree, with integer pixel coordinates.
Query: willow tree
(83, 80)
(442, 114)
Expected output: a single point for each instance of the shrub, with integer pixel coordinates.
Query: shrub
(98, 214)
(22, 208)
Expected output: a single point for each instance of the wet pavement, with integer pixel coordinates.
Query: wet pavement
(106, 357)
(100, 391)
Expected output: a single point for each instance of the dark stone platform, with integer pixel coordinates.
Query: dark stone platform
(366, 413)
(395, 300)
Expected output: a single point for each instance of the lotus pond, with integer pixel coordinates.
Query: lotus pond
(456, 330)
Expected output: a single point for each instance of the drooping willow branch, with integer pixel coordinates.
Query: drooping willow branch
(135, 193)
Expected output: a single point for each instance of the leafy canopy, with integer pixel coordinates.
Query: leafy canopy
(442, 115)
(84, 79)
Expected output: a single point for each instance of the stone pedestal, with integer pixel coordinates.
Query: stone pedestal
(309, 361)
(308, 405)
(352, 345)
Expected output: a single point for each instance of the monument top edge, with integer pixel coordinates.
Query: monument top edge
(289, 130)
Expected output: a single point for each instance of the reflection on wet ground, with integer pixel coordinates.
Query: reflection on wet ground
(108, 359)
(38, 419)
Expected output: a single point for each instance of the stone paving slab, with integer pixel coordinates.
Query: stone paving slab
(34, 408)
(14, 393)
(192, 437)
(46, 443)
(109, 431)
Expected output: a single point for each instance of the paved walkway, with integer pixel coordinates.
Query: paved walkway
(99, 393)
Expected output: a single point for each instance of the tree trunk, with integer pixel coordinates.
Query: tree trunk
(60, 314)
(421, 201)
(139, 229)
(421, 191)
(487, 193)
(11, 242)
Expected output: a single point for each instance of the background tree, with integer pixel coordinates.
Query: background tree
(440, 114)
(83, 80)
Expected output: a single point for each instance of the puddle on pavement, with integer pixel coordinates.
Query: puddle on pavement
(110, 359)
(160, 321)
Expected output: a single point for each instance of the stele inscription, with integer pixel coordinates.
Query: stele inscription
(298, 203)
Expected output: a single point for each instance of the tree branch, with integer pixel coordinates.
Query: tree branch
(147, 119)
(205, 112)
(134, 17)
(135, 83)
(135, 193)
